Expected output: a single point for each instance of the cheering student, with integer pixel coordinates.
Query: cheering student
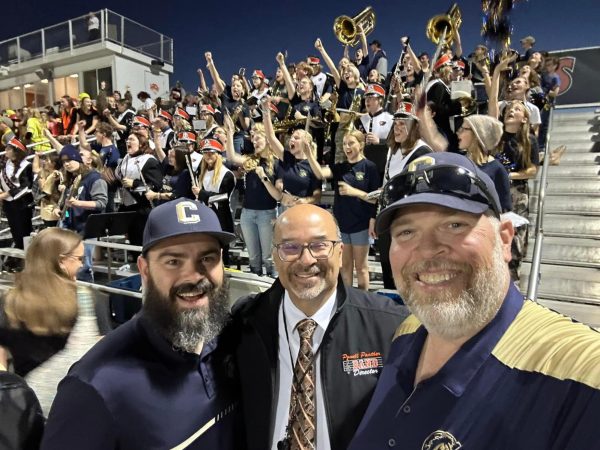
(352, 181)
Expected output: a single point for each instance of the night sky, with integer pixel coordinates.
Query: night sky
(249, 34)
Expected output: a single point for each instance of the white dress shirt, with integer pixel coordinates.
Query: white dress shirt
(285, 367)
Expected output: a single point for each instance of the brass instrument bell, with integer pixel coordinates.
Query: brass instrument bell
(345, 28)
(450, 21)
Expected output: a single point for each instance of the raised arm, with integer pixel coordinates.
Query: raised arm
(113, 121)
(416, 63)
(363, 41)
(274, 143)
(322, 173)
(232, 156)
(218, 81)
(83, 143)
(202, 81)
(53, 141)
(287, 77)
(158, 150)
(334, 70)
(505, 61)
(458, 50)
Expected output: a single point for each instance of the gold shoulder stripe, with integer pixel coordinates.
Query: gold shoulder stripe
(543, 341)
(409, 326)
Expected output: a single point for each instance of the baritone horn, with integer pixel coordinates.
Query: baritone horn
(450, 22)
(345, 28)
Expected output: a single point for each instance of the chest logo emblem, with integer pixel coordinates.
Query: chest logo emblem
(441, 440)
(302, 173)
(362, 363)
(360, 176)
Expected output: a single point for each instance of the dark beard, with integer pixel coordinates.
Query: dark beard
(186, 329)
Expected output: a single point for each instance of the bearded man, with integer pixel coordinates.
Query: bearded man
(476, 366)
(311, 348)
(165, 378)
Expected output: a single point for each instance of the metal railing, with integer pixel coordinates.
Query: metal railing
(534, 271)
(72, 34)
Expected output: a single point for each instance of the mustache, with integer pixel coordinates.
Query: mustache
(204, 286)
(435, 265)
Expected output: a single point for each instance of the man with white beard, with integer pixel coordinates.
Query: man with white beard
(165, 379)
(476, 366)
(310, 391)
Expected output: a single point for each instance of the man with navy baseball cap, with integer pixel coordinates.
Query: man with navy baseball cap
(165, 378)
(475, 365)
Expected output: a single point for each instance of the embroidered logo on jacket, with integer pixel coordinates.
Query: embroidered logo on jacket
(441, 440)
(362, 363)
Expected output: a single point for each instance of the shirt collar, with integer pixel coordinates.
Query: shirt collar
(293, 315)
(458, 372)
(464, 365)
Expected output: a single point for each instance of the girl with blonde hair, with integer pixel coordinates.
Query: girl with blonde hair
(259, 208)
(48, 324)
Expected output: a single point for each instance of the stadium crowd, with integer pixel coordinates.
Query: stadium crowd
(264, 151)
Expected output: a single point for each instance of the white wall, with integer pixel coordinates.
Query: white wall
(137, 76)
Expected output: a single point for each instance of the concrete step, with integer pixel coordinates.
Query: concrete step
(587, 147)
(575, 127)
(583, 158)
(574, 284)
(573, 171)
(568, 204)
(569, 226)
(561, 116)
(569, 251)
(575, 138)
(589, 185)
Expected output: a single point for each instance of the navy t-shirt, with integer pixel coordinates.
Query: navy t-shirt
(297, 175)
(257, 196)
(510, 155)
(346, 95)
(499, 176)
(353, 214)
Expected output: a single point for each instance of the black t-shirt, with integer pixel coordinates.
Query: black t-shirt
(298, 178)
(499, 176)
(346, 95)
(28, 350)
(280, 90)
(510, 155)
(304, 107)
(88, 117)
(257, 196)
(229, 105)
(353, 214)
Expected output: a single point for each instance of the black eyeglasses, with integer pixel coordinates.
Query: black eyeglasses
(291, 251)
(452, 180)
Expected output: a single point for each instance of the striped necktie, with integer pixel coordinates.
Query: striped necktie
(302, 425)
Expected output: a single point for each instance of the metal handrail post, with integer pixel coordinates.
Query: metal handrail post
(534, 272)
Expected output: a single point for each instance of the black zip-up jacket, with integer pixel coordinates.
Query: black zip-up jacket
(353, 350)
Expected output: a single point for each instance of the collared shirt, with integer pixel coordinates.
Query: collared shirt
(528, 380)
(285, 368)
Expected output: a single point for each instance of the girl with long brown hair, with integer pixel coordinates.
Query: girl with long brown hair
(48, 324)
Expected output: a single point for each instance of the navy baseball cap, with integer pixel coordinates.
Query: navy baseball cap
(445, 179)
(182, 216)
(71, 153)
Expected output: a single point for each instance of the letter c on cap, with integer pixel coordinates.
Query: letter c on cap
(184, 212)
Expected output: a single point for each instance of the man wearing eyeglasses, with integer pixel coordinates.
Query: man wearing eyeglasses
(476, 366)
(311, 348)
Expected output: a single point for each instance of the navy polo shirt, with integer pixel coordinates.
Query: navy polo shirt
(352, 213)
(297, 175)
(528, 380)
(132, 390)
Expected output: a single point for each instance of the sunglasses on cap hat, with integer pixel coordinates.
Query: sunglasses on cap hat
(443, 179)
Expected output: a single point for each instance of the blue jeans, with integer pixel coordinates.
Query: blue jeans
(86, 273)
(257, 227)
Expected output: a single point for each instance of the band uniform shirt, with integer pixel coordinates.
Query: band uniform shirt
(528, 380)
(285, 368)
(379, 124)
(297, 175)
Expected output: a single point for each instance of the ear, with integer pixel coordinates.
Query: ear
(143, 268)
(507, 232)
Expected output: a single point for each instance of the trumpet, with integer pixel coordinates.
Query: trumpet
(345, 28)
(450, 22)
